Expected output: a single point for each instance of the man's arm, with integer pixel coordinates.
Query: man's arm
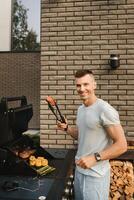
(72, 131)
(118, 147)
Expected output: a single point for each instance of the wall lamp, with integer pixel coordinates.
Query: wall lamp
(114, 61)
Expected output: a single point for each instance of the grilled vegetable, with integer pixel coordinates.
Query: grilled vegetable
(38, 162)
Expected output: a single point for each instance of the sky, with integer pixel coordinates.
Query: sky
(33, 15)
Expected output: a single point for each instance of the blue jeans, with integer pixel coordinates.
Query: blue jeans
(91, 188)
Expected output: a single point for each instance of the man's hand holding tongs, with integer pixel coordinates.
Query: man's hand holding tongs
(62, 126)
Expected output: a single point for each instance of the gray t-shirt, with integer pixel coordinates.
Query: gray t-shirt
(92, 136)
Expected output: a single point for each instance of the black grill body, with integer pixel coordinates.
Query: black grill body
(13, 123)
(18, 179)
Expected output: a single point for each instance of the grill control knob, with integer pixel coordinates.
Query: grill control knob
(41, 198)
(67, 191)
(71, 176)
(65, 198)
(71, 191)
(69, 182)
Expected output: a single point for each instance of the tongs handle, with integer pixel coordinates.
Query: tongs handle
(52, 109)
(62, 118)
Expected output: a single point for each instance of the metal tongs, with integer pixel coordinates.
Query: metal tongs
(54, 108)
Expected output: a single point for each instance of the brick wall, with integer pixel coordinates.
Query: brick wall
(82, 34)
(20, 75)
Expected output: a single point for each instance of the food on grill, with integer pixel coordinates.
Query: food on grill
(38, 162)
(45, 170)
(32, 162)
(26, 153)
(40, 158)
(44, 162)
(32, 158)
(51, 100)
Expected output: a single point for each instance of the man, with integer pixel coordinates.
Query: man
(100, 138)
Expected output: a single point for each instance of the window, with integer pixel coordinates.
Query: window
(20, 25)
(25, 25)
(5, 25)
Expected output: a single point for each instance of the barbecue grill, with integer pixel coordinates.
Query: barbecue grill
(19, 180)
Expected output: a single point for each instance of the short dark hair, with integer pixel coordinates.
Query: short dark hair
(82, 72)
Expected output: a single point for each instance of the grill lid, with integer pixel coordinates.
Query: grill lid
(14, 120)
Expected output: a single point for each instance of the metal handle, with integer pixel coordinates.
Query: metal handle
(20, 98)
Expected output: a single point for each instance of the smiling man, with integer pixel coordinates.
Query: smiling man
(100, 138)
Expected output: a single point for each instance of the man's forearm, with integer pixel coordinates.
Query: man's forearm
(73, 132)
(113, 151)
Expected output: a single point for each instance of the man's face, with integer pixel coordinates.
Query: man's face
(85, 86)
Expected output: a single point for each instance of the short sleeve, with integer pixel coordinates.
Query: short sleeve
(109, 116)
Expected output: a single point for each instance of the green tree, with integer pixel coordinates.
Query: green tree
(21, 35)
(31, 41)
